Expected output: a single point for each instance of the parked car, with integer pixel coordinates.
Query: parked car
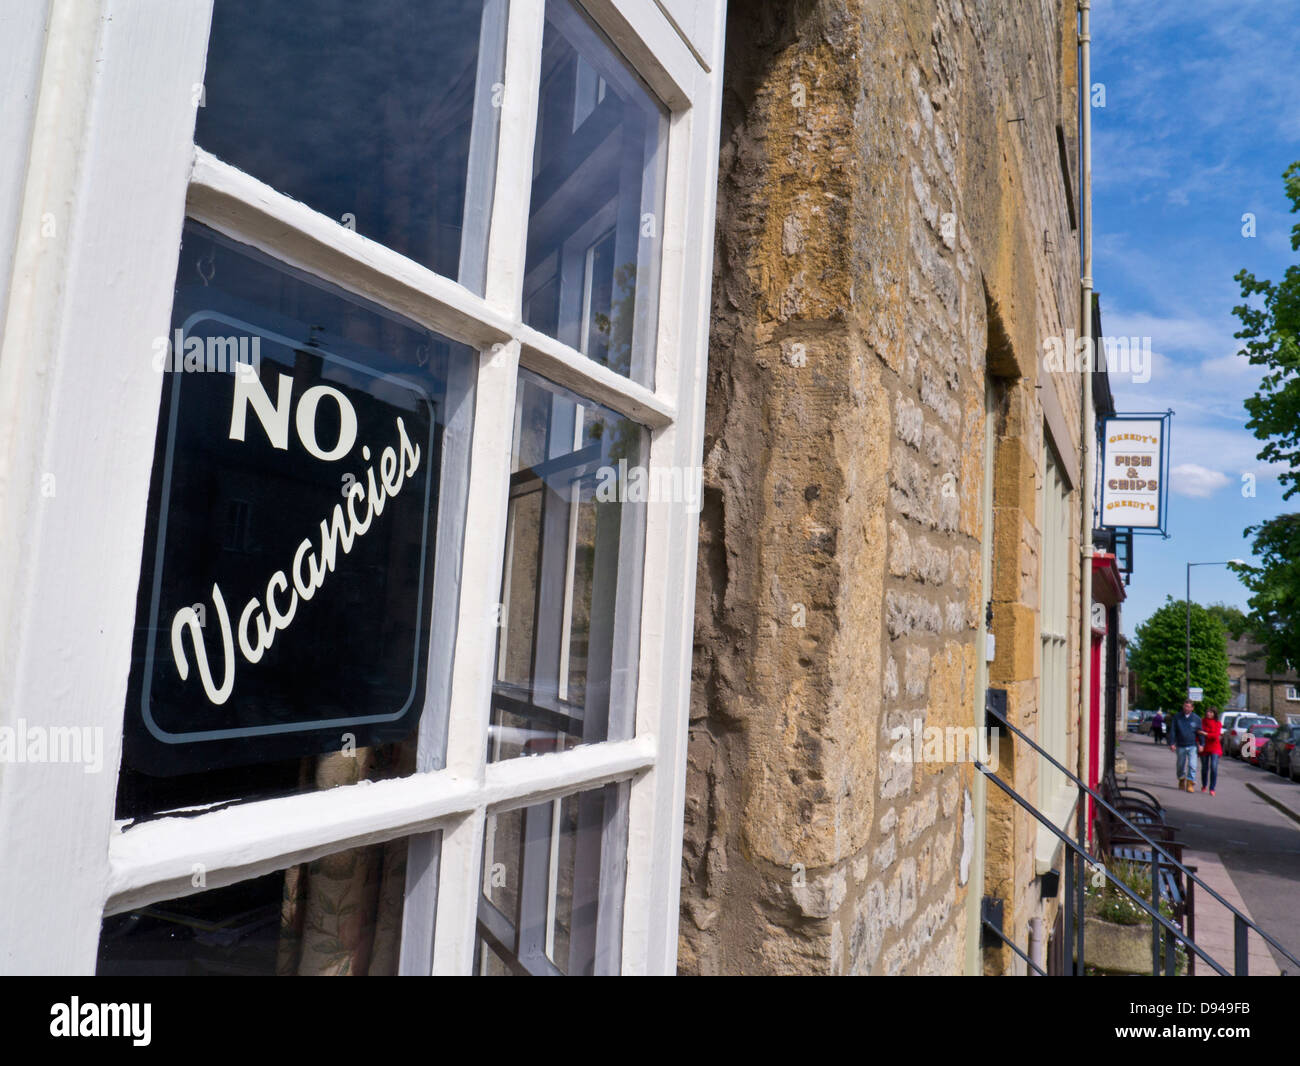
(1235, 724)
(1275, 755)
(1295, 763)
(1135, 721)
(1256, 737)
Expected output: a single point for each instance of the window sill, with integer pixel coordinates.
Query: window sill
(1059, 810)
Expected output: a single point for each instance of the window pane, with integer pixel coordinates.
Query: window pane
(552, 884)
(567, 644)
(382, 115)
(594, 231)
(340, 915)
(304, 529)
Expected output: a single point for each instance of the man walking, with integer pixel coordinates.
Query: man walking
(1183, 729)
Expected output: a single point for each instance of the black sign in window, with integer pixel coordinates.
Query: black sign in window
(287, 578)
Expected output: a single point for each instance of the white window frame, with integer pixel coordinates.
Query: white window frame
(79, 399)
(1056, 797)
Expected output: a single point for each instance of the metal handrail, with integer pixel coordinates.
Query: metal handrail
(1240, 919)
(1083, 855)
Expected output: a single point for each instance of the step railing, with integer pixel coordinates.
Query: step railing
(1077, 858)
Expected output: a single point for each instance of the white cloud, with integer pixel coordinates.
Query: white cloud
(1191, 479)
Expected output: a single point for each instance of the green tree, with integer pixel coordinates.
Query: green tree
(1158, 654)
(1270, 330)
(1275, 591)
(1233, 619)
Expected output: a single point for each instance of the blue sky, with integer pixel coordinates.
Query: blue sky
(1202, 116)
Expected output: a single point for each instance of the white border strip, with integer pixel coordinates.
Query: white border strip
(163, 859)
(240, 206)
(570, 368)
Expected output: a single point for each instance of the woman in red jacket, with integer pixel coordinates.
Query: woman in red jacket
(1211, 748)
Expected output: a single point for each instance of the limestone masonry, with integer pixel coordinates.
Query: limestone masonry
(896, 235)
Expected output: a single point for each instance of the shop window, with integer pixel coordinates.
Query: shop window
(312, 427)
(566, 648)
(1054, 621)
(375, 525)
(552, 891)
(596, 217)
(380, 115)
(339, 915)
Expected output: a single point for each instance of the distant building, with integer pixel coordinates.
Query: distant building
(1257, 689)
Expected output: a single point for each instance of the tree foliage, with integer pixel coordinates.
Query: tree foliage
(1233, 619)
(1270, 330)
(1275, 591)
(1158, 654)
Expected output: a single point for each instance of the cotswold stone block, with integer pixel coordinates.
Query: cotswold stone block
(900, 550)
(820, 897)
(908, 612)
(908, 421)
(919, 816)
(917, 671)
(951, 790)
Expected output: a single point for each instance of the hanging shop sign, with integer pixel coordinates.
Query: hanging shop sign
(1134, 462)
(288, 560)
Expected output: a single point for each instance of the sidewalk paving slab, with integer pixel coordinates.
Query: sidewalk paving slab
(1214, 922)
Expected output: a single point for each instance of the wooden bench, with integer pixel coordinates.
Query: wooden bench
(1118, 843)
(1115, 794)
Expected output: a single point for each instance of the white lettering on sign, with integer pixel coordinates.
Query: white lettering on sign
(249, 391)
(278, 607)
(274, 419)
(306, 422)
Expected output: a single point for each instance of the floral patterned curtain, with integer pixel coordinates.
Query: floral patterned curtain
(342, 914)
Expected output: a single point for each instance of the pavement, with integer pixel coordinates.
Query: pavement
(1244, 842)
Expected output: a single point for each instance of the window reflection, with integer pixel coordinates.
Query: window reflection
(337, 916)
(546, 908)
(382, 115)
(594, 233)
(567, 644)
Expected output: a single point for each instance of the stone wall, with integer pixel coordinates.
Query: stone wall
(893, 232)
(1260, 700)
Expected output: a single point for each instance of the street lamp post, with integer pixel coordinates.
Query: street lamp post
(1188, 662)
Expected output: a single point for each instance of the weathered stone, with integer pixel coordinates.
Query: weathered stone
(881, 261)
(819, 897)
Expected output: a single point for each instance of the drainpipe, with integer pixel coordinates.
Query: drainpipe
(1036, 944)
(1087, 417)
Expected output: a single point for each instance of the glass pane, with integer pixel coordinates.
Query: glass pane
(382, 115)
(304, 529)
(546, 906)
(570, 596)
(340, 915)
(596, 220)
